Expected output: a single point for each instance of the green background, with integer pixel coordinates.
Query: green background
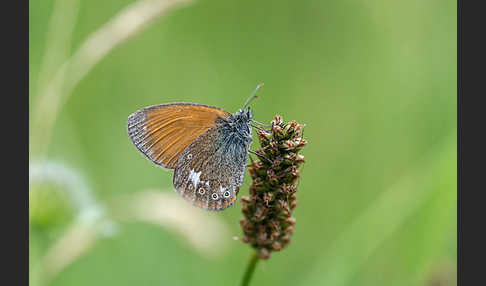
(375, 84)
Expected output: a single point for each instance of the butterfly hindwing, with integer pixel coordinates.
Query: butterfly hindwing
(211, 170)
(163, 132)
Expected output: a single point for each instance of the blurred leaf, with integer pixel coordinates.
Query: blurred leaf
(49, 206)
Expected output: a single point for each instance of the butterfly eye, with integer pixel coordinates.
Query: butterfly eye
(214, 196)
(189, 156)
(201, 191)
(226, 194)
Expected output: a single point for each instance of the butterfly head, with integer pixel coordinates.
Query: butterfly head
(245, 115)
(240, 123)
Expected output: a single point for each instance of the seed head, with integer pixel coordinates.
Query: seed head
(268, 223)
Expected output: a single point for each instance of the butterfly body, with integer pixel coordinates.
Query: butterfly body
(206, 146)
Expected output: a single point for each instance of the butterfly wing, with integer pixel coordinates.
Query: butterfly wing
(210, 171)
(162, 132)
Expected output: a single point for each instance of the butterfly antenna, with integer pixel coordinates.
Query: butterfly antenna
(252, 96)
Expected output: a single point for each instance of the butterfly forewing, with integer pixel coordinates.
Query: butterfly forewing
(208, 174)
(163, 132)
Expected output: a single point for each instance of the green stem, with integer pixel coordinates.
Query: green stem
(250, 269)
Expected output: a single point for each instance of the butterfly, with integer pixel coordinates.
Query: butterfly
(206, 146)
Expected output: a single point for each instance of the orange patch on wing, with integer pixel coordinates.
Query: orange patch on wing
(163, 132)
(215, 207)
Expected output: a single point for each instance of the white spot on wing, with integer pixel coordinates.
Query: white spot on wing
(205, 183)
(194, 177)
(221, 189)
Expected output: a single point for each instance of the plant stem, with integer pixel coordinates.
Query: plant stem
(250, 269)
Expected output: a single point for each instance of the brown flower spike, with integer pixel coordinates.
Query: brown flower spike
(268, 223)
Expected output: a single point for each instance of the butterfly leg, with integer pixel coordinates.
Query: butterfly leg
(261, 124)
(256, 127)
(261, 156)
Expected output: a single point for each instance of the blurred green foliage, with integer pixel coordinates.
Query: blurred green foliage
(375, 84)
(49, 207)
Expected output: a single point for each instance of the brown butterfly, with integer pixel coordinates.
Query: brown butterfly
(206, 146)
